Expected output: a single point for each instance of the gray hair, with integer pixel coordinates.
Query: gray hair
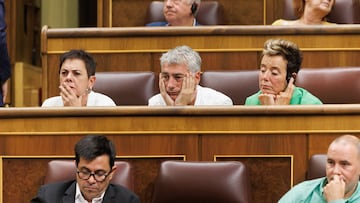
(182, 55)
(194, 1)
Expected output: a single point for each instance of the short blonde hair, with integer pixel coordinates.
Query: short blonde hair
(288, 50)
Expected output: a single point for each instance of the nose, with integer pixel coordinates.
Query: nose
(168, 3)
(171, 83)
(264, 75)
(91, 179)
(69, 77)
(336, 169)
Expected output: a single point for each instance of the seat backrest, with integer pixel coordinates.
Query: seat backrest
(289, 10)
(317, 166)
(343, 11)
(126, 88)
(65, 170)
(235, 84)
(339, 85)
(194, 182)
(210, 13)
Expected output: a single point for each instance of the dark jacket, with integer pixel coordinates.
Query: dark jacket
(64, 192)
(153, 24)
(5, 69)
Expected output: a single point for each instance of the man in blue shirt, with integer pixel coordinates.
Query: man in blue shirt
(5, 69)
(179, 13)
(341, 184)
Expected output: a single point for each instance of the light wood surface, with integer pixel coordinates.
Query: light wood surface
(27, 85)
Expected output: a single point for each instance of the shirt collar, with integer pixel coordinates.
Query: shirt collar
(194, 23)
(79, 198)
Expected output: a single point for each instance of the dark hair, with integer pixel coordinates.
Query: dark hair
(90, 64)
(288, 50)
(92, 146)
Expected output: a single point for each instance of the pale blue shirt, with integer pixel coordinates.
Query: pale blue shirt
(194, 23)
(311, 191)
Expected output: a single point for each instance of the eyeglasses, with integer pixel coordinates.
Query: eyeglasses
(99, 176)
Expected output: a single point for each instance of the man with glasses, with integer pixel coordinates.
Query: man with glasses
(179, 13)
(179, 81)
(94, 157)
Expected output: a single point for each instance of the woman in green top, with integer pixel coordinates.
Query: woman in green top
(280, 63)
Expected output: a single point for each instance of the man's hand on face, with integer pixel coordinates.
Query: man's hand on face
(335, 189)
(187, 93)
(168, 100)
(69, 96)
(188, 90)
(283, 98)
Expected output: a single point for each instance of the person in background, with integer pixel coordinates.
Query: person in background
(5, 68)
(179, 13)
(94, 159)
(310, 12)
(280, 63)
(77, 78)
(341, 184)
(179, 81)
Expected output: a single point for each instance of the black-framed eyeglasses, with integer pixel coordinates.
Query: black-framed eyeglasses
(99, 176)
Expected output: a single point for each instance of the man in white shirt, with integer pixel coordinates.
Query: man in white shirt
(179, 81)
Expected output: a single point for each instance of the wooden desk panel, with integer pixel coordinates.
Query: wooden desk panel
(256, 134)
(265, 149)
(27, 85)
(221, 47)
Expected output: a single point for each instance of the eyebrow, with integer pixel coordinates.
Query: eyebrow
(178, 74)
(340, 161)
(271, 68)
(68, 69)
(174, 74)
(344, 162)
(85, 168)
